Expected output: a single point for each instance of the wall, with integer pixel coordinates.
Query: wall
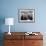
(9, 8)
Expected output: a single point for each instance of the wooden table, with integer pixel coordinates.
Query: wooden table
(20, 39)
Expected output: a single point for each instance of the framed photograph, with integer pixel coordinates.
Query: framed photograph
(26, 15)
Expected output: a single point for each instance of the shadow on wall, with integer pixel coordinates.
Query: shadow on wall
(2, 21)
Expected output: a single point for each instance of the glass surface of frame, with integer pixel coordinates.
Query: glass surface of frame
(26, 15)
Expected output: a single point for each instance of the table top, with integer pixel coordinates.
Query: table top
(22, 35)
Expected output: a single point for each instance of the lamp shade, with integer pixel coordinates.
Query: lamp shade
(9, 21)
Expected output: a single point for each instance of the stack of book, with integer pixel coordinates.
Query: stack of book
(30, 33)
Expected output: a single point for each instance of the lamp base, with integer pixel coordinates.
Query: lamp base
(9, 33)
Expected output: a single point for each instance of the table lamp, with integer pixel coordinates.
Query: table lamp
(9, 21)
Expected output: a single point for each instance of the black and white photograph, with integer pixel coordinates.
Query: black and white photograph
(26, 15)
